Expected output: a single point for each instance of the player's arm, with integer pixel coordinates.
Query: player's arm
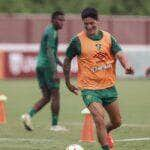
(123, 60)
(66, 69)
(53, 43)
(119, 54)
(71, 52)
(51, 57)
(58, 60)
(50, 42)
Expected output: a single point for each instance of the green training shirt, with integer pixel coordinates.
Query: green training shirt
(47, 56)
(74, 47)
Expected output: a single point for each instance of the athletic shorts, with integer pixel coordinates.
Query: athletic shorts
(104, 96)
(44, 77)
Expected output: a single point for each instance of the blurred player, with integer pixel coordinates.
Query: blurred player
(96, 52)
(46, 70)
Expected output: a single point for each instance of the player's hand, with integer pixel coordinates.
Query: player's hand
(72, 88)
(129, 70)
(60, 64)
(56, 77)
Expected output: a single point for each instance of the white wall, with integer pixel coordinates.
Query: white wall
(138, 55)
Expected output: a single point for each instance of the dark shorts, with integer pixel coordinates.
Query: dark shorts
(105, 96)
(44, 77)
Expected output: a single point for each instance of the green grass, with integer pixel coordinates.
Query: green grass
(134, 98)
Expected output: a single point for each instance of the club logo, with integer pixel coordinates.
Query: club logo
(98, 46)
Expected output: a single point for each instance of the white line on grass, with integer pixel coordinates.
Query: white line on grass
(123, 125)
(133, 139)
(25, 140)
(136, 125)
(16, 140)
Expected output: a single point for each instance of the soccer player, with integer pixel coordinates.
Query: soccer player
(46, 70)
(97, 52)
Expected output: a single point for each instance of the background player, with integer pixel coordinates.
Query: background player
(46, 70)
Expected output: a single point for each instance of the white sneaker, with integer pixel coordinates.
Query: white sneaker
(58, 128)
(26, 120)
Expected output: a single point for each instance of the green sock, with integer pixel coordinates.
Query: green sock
(54, 119)
(106, 147)
(32, 112)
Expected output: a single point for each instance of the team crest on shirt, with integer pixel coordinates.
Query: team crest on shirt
(89, 96)
(98, 46)
(100, 56)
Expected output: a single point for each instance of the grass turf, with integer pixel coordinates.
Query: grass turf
(134, 96)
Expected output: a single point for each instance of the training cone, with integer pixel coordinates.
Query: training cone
(87, 132)
(3, 98)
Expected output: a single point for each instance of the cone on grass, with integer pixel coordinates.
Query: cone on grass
(3, 98)
(87, 132)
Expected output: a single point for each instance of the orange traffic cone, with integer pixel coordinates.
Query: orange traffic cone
(87, 133)
(2, 109)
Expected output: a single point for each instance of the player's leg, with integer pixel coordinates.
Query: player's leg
(114, 115)
(54, 85)
(55, 105)
(115, 120)
(44, 90)
(26, 118)
(97, 112)
(42, 102)
(93, 102)
(112, 107)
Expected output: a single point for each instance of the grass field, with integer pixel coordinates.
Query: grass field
(134, 98)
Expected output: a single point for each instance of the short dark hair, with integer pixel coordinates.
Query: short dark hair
(56, 14)
(89, 12)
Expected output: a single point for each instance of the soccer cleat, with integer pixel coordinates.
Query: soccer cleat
(26, 120)
(110, 141)
(58, 128)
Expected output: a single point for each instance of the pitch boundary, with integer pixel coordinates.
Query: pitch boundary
(16, 140)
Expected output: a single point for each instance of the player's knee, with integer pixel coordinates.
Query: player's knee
(46, 94)
(46, 98)
(117, 123)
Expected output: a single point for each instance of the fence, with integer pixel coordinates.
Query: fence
(29, 28)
